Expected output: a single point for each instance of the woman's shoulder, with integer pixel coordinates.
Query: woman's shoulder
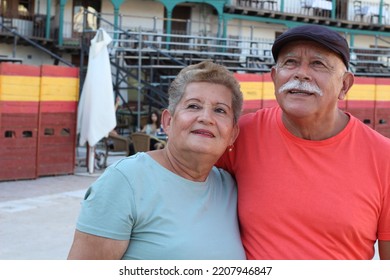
(134, 162)
(224, 176)
(132, 170)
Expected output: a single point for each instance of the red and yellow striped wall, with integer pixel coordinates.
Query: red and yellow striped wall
(38, 113)
(19, 106)
(20, 84)
(57, 120)
(368, 99)
(59, 89)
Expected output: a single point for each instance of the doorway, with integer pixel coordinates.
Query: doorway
(79, 6)
(180, 17)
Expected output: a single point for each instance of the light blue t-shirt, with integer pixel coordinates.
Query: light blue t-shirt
(162, 214)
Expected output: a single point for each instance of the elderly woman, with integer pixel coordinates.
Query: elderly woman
(172, 203)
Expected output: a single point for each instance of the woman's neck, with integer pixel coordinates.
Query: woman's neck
(190, 167)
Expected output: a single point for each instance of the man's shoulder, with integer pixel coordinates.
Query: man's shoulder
(370, 135)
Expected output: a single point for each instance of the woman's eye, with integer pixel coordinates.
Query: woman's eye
(193, 106)
(220, 110)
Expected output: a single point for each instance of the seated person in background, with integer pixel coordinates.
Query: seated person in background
(152, 128)
(153, 123)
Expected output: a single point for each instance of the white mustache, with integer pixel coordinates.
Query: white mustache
(298, 85)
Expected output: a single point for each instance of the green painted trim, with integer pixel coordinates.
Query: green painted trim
(217, 4)
(61, 21)
(48, 15)
(333, 13)
(351, 40)
(116, 21)
(380, 11)
(117, 3)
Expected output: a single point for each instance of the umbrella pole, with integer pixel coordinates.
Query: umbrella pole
(91, 158)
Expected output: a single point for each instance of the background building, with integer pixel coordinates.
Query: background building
(154, 39)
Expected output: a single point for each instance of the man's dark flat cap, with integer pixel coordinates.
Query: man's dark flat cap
(322, 35)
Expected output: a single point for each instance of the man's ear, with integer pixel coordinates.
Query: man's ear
(166, 119)
(348, 81)
(273, 71)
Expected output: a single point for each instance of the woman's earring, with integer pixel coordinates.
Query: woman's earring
(231, 147)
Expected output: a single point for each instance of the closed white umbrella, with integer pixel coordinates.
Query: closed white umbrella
(96, 111)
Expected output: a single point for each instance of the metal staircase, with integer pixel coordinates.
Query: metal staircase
(16, 35)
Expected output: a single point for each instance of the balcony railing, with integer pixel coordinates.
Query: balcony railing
(365, 11)
(237, 54)
(31, 26)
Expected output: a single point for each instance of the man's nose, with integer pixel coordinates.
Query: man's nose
(303, 72)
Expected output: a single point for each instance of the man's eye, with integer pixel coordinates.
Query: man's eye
(290, 62)
(318, 63)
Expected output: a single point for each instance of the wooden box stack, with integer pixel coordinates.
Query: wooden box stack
(38, 116)
(19, 105)
(57, 120)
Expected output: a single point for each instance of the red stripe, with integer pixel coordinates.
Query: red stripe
(383, 104)
(383, 81)
(252, 104)
(11, 69)
(58, 107)
(267, 77)
(360, 104)
(29, 107)
(59, 71)
(258, 104)
(248, 77)
(364, 80)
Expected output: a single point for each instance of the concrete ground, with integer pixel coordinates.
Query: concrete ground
(37, 222)
(38, 217)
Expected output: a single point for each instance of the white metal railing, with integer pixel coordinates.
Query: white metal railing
(240, 54)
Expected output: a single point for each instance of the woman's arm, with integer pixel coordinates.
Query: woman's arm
(91, 247)
(384, 250)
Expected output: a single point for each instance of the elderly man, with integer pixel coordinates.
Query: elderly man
(313, 181)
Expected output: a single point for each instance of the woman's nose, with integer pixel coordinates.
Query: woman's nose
(206, 115)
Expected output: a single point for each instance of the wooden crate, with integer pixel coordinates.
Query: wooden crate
(56, 149)
(18, 146)
(57, 120)
(19, 101)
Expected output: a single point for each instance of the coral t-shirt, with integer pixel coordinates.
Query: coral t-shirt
(301, 199)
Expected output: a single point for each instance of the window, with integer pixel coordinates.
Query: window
(15, 9)
(78, 14)
(26, 7)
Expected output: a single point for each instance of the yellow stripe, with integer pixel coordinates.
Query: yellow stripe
(269, 91)
(251, 90)
(257, 90)
(361, 92)
(19, 88)
(383, 93)
(369, 92)
(59, 89)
